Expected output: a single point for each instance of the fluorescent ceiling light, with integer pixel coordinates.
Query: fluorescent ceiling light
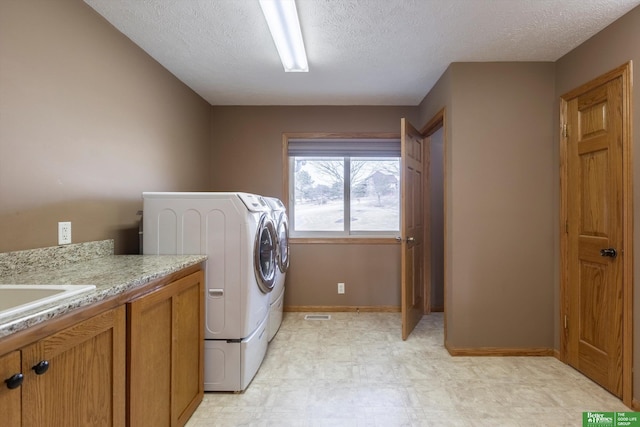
(282, 18)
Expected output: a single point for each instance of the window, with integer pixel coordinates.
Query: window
(344, 187)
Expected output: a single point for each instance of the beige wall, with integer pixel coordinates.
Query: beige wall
(87, 122)
(499, 202)
(247, 156)
(371, 275)
(247, 141)
(613, 46)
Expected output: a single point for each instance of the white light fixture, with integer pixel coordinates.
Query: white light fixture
(282, 18)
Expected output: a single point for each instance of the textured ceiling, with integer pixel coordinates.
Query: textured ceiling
(361, 52)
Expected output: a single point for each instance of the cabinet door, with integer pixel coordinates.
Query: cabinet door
(166, 344)
(84, 384)
(149, 331)
(10, 402)
(188, 351)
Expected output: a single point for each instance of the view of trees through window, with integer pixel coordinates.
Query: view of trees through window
(371, 198)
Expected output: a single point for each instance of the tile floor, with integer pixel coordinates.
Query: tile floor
(354, 370)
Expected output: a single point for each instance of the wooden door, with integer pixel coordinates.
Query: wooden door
(594, 197)
(84, 384)
(412, 227)
(10, 392)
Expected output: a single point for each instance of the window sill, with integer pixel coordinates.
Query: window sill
(344, 240)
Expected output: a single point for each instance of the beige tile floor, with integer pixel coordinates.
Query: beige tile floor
(354, 370)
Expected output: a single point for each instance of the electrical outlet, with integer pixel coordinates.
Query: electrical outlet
(64, 233)
(341, 288)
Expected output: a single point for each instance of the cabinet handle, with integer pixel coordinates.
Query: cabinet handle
(15, 381)
(41, 367)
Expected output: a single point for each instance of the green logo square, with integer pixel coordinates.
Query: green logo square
(610, 419)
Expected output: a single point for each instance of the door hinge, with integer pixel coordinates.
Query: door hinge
(564, 130)
(565, 321)
(566, 227)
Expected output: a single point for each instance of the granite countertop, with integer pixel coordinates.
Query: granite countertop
(111, 274)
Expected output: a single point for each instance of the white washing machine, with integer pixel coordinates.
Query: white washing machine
(276, 298)
(237, 232)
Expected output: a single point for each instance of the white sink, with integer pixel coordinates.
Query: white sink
(19, 298)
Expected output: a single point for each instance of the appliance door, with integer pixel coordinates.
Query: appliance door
(265, 254)
(283, 243)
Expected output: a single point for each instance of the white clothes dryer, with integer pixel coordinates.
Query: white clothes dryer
(276, 298)
(237, 233)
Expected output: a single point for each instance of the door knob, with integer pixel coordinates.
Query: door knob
(610, 252)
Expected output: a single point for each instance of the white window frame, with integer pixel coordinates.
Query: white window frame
(289, 182)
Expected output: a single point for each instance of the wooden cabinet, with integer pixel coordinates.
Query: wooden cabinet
(166, 348)
(75, 377)
(10, 398)
(84, 384)
(135, 359)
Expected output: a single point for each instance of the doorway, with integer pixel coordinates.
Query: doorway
(436, 194)
(597, 231)
(436, 281)
(414, 234)
(423, 289)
